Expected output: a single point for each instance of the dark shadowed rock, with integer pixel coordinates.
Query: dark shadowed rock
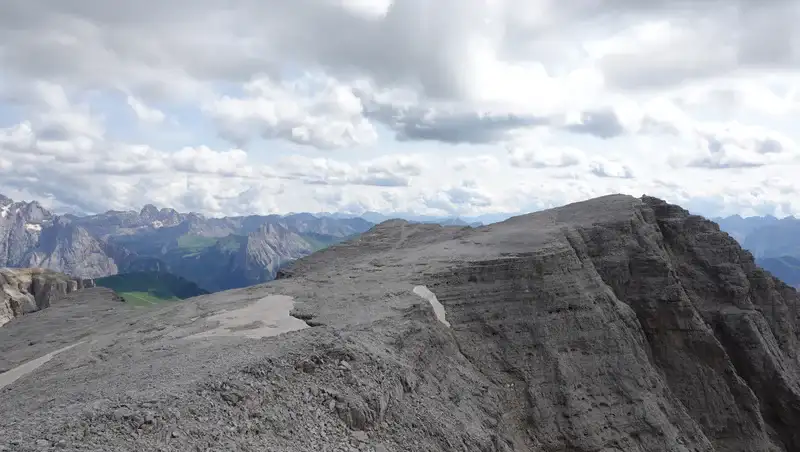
(616, 324)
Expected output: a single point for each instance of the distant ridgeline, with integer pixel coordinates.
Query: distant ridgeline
(214, 253)
(774, 242)
(148, 288)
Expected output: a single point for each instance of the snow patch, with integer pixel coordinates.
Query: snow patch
(4, 211)
(438, 309)
(157, 224)
(33, 227)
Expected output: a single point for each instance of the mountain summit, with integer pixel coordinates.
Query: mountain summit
(614, 324)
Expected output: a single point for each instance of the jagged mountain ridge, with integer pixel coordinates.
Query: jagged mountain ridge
(216, 253)
(613, 324)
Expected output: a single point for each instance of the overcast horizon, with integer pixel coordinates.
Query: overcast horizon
(434, 108)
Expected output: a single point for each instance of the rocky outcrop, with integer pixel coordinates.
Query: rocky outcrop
(26, 290)
(616, 324)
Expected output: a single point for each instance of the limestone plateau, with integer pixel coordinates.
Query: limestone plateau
(615, 324)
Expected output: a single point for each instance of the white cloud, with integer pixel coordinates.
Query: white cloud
(480, 163)
(447, 106)
(608, 168)
(390, 171)
(316, 111)
(145, 113)
(540, 155)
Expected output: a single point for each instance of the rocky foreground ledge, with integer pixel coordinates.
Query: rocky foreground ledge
(616, 324)
(27, 290)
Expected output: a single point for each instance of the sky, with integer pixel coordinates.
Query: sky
(439, 107)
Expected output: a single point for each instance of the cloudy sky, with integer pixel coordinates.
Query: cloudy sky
(449, 107)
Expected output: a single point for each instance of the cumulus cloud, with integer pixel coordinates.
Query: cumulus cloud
(602, 124)
(384, 172)
(540, 155)
(459, 199)
(313, 110)
(610, 168)
(622, 87)
(736, 145)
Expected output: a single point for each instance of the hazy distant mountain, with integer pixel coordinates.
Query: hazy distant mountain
(774, 242)
(376, 217)
(214, 253)
(740, 227)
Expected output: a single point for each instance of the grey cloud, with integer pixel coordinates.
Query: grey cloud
(602, 168)
(728, 36)
(165, 47)
(448, 123)
(737, 146)
(639, 72)
(160, 45)
(600, 123)
(770, 146)
(466, 128)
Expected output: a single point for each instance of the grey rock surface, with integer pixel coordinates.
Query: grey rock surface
(27, 290)
(616, 324)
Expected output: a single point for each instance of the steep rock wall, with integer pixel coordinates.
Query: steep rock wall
(26, 290)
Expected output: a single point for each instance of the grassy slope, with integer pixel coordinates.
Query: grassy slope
(142, 298)
(145, 288)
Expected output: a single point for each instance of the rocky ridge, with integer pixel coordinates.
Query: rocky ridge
(616, 324)
(23, 291)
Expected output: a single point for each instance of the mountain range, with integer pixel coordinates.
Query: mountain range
(230, 252)
(774, 242)
(214, 253)
(614, 324)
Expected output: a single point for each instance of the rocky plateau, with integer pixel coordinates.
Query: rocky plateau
(615, 324)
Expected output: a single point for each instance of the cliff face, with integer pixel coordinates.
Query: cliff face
(69, 248)
(21, 224)
(26, 290)
(616, 324)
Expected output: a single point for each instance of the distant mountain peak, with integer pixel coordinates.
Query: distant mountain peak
(149, 211)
